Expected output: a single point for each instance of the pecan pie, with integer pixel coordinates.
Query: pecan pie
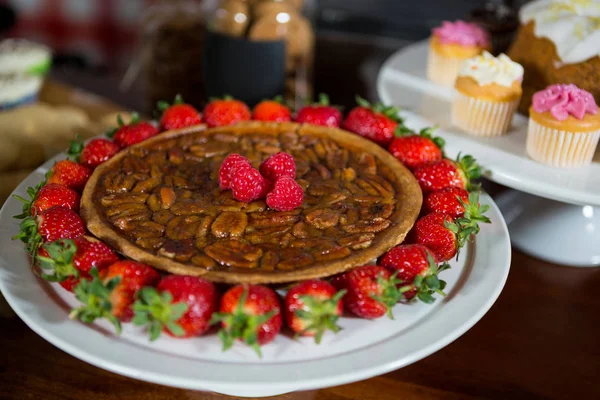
(159, 202)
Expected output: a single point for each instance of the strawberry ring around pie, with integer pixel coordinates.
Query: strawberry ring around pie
(159, 202)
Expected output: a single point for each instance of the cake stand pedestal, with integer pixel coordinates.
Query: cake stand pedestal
(553, 214)
(550, 230)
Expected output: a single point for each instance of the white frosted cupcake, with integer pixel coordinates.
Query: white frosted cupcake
(488, 90)
(23, 57)
(18, 90)
(564, 126)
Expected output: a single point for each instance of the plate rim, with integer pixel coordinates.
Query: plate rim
(241, 385)
(537, 188)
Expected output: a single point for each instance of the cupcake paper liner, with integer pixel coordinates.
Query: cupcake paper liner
(481, 117)
(560, 148)
(442, 70)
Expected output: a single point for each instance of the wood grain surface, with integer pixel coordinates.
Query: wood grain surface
(539, 341)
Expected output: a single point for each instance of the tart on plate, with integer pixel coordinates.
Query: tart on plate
(159, 202)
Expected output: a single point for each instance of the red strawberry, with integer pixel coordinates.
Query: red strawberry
(227, 166)
(271, 110)
(94, 153)
(447, 173)
(70, 260)
(371, 291)
(247, 184)
(320, 113)
(111, 294)
(53, 195)
(69, 173)
(417, 268)
(277, 166)
(27, 201)
(313, 307)
(226, 111)
(441, 234)
(179, 115)
(375, 122)
(449, 201)
(459, 204)
(52, 224)
(133, 276)
(41, 198)
(181, 306)
(59, 223)
(286, 195)
(414, 150)
(97, 151)
(250, 313)
(135, 132)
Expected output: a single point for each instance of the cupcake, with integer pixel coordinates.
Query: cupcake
(488, 90)
(18, 90)
(564, 126)
(450, 45)
(22, 57)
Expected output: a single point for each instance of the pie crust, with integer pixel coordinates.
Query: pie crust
(406, 203)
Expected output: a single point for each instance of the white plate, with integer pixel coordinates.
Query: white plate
(402, 82)
(361, 350)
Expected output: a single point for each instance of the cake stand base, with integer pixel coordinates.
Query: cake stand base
(250, 394)
(556, 232)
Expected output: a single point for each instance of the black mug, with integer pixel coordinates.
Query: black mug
(247, 70)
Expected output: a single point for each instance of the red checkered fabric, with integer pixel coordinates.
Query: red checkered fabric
(99, 30)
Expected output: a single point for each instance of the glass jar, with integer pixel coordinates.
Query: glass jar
(255, 31)
(172, 45)
(230, 17)
(283, 19)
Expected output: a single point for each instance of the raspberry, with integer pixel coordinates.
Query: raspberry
(225, 172)
(286, 195)
(247, 183)
(277, 166)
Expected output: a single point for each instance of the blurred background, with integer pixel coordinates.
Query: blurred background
(109, 56)
(96, 42)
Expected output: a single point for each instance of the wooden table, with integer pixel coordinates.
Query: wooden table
(540, 340)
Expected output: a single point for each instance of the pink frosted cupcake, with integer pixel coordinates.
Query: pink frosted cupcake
(451, 44)
(564, 126)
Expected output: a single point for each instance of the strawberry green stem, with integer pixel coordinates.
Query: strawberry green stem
(28, 234)
(240, 325)
(390, 294)
(323, 100)
(162, 105)
(157, 311)
(94, 295)
(470, 169)
(32, 193)
(60, 260)
(390, 112)
(75, 148)
(319, 315)
(429, 284)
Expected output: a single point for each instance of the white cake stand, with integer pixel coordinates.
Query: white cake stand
(553, 214)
